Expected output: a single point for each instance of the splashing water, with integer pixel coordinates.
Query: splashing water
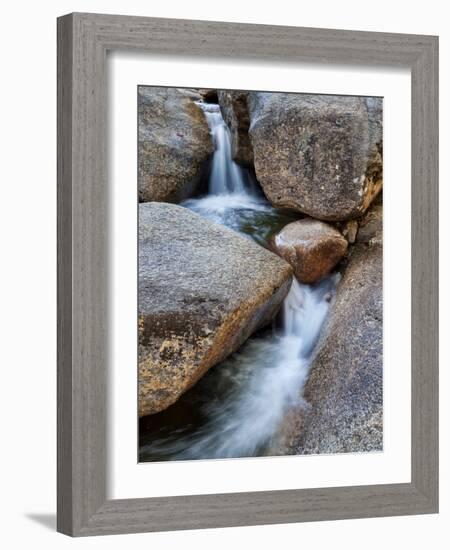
(237, 407)
(247, 396)
(226, 176)
(234, 198)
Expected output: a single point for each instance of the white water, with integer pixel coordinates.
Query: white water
(254, 388)
(229, 187)
(226, 176)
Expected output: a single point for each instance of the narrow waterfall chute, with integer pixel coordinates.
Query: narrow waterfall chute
(234, 198)
(264, 380)
(226, 178)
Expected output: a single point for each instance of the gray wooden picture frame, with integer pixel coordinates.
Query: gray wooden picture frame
(83, 41)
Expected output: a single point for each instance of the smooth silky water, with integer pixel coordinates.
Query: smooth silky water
(237, 407)
(234, 197)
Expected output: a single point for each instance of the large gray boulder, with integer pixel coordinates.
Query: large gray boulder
(174, 143)
(318, 154)
(234, 108)
(203, 290)
(344, 392)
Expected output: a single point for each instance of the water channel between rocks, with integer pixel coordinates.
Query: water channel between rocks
(237, 407)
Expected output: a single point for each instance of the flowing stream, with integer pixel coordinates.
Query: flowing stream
(234, 198)
(237, 407)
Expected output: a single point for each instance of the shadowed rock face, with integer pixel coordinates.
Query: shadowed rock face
(174, 143)
(203, 289)
(312, 247)
(320, 155)
(371, 226)
(345, 390)
(233, 105)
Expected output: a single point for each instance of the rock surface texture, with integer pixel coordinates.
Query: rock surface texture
(174, 143)
(203, 289)
(320, 155)
(344, 391)
(234, 108)
(312, 247)
(371, 226)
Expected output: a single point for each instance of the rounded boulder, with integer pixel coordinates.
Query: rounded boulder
(312, 247)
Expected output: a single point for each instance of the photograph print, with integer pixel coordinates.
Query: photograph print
(260, 287)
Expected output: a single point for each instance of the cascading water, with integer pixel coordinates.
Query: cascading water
(233, 198)
(240, 403)
(226, 178)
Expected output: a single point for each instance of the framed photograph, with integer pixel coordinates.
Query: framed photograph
(247, 274)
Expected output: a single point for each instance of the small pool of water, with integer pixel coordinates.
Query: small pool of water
(250, 215)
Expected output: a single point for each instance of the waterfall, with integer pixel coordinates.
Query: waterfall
(231, 192)
(264, 379)
(226, 176)
(274, 371)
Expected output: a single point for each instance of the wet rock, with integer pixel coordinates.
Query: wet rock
(203, 290)
(312, 247)
(320, 155)
(174, 143)
(233, 105)
(344, 391)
